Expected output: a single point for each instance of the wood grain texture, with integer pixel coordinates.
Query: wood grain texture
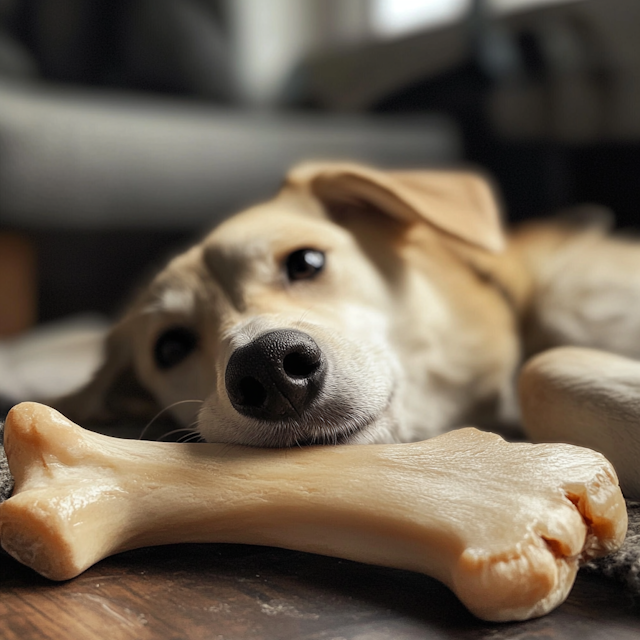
(232, 592)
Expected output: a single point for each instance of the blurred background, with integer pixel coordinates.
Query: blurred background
(129, 127)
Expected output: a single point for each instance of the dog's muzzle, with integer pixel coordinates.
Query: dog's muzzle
(277, 376)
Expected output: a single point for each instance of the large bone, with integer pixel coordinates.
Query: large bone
(589, 398)
(505, 526)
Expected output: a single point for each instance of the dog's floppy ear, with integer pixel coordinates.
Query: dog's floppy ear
(114, 391)
(460, 203)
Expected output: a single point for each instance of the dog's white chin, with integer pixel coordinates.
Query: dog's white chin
(330, 427)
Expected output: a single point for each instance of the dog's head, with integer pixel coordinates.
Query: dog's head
(326, 315)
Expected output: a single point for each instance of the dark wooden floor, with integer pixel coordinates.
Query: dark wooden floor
(228, 592)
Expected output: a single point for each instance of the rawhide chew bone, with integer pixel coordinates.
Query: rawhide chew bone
(589, 398)
(505, 526)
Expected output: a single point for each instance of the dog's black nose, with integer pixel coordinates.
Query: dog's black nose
(276, 376)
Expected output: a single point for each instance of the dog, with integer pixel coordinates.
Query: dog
(362, 306)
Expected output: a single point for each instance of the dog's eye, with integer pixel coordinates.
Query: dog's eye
(304, 264)
(173, 346)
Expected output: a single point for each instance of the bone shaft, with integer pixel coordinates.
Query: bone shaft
(209, 493)
(248, 499)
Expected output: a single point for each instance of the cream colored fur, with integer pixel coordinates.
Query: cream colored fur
(424, 310)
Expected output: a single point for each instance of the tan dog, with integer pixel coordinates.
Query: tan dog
(357, 306)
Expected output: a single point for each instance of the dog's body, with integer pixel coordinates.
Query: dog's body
(362, 306)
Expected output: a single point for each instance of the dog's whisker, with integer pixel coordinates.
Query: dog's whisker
(193, 425)
(303, 316)
(189, 432)
(194, 436)
(162, 411)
